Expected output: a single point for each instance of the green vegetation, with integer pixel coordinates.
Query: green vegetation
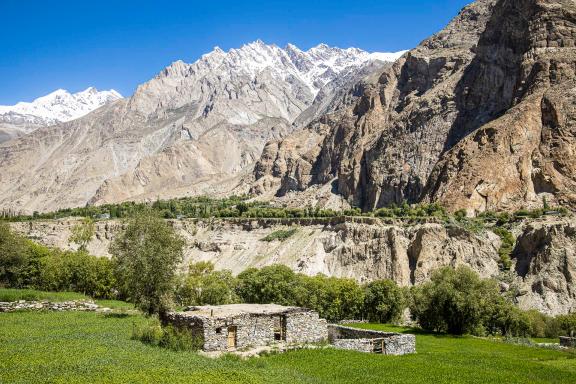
(384, 301)
(145, 258)
(506, 246)
(203, 285)
(152, 333)
(24, 264)
(459, 302)
(242, 207)
(83, 233)
(10, 294)
(77, 347)
(281, 234)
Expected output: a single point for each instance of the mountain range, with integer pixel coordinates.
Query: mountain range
(56, 107)
(480, 116)
(193, 129)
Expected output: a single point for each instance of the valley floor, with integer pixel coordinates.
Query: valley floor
(80, 347)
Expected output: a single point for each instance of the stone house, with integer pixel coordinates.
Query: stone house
(238, 326)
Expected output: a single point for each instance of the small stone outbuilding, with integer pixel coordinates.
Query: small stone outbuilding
(239, 326)
(364, 340)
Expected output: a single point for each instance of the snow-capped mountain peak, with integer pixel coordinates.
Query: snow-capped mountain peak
(315, 67)
(60, 105)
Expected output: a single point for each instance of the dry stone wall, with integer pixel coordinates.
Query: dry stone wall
(23, 305)
(364, 340)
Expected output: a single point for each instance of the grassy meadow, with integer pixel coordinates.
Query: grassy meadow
(80, 347)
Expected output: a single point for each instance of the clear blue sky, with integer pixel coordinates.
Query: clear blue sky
(45, 45)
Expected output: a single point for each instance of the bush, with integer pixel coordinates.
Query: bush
(78, 272)
(281, 234)
(170, 337)
(273, 284)
(506, 247)
(333, 298)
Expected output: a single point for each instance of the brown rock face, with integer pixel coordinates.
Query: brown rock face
(480, 116)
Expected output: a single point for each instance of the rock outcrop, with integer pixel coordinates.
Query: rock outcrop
(479, 116)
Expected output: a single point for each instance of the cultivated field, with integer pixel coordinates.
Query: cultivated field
(75, 347)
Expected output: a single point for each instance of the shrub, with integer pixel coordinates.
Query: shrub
(506, 247)
(170, 337)
(77, 271)
(281, 234)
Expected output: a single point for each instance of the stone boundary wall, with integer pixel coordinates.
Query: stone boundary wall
(364, 340)
(569, 342)
(23, 305)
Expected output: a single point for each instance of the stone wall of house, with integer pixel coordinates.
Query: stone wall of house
(181, 320)
(362, 340)
(305, 327)
(251, 329)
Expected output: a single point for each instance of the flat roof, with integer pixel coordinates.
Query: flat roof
(230, 310)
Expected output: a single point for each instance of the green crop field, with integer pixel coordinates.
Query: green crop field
(79, 347)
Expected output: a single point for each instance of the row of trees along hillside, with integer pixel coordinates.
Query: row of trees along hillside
(147, 256)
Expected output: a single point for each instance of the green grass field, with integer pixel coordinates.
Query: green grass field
(79, 347)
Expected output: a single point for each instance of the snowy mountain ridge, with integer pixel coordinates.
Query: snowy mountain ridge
(58, 106)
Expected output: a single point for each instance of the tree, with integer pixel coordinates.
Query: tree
(273, 284)
(456, 301)
(82, 233)
(383, 301)
(146, 256)
(14, 257)
(203, 285)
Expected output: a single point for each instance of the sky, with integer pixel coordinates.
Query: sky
(46, 45)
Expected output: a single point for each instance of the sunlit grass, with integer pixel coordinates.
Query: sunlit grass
(72, 347)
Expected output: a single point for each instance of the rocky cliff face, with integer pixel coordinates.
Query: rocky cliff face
(544, 259)
(479, 117)
(194, 128)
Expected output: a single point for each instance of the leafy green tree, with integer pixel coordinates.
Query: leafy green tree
(273, 284)
(383, 301)
(203, 285)
(456, 301)
(78, 272)
(333, 298)
(82, 233)
(146, 256)
(14, 257)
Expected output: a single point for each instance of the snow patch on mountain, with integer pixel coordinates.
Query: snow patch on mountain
(58, 106)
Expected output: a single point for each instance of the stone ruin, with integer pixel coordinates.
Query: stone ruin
(365, 340)
(568, 342)
(242, 326)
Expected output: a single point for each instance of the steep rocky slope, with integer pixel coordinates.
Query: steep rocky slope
(194, 128)
(479, 116)
(544, 259)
